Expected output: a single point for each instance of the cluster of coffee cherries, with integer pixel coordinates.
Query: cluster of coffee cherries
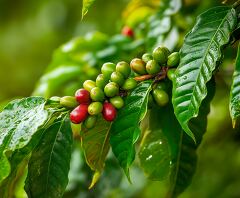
(158, 65)
(105, 94)
(102, 96)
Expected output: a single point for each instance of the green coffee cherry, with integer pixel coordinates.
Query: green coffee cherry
(171, 74)
(89, 85)
(101, 81)
(138, 66)
(160, 97)
(129, 84)
(118, 78)
(147, 57)
(161, 86)
(153, 67)
(111, 89)
(97, 94)
(68, 102)
(123, 68)
(173, 59)
(90, 122)
(107, 69)
(55, 99)
(117, 102)
(95, 108)
(160, 54)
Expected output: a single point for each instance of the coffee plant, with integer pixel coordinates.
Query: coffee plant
(127, 95)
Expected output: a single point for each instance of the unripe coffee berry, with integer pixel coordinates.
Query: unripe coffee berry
(173, 59)
(90, 122)
(117, 102)
(147, 57)
(107, 69)
(138, 66)
(95, 108)
(160, 97)
(153, 67)
(123, 68)
(109, 112)
(118, 78)
(82, 96)
(68, 102)
(160, 54)
(54, 99)
(127, 31)
(101, 81)
(111, 89)
(89, 85)
(161, 85)
(171, 74)
(97, 94)
(79, 114)
(129, 84)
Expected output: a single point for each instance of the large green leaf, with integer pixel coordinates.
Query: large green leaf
(86, 6)
(199, 56)
(95, 144)
(235, 92)
(184, 156)
(19, 121)
(125, 129)
(50, 161)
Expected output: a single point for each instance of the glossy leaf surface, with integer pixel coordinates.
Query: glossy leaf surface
(125, 129)
(200, 54)
(19, 121)
(50, 161)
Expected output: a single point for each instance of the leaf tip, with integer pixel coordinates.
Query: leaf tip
(126, 171)
(95, 179)
(234, 124)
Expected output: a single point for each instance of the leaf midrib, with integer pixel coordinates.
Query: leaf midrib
(51, 153)
(210, 43)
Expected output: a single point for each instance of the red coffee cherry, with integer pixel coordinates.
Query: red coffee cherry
(82, 96)
(127, 31)
(79, 114)
(109, 112)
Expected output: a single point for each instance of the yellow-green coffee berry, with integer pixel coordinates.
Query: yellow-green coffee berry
(89, 85)
(68, 102)
(117, 102)
(123, 68)
(129, 84)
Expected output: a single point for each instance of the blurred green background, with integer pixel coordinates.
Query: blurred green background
(31, 30)
(29, 33)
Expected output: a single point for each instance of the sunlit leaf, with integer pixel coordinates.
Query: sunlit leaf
(95, 144)
(19, 121)
(86, 6)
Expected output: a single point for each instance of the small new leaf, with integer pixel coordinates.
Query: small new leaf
(200, 55)
(125, 129)
(95, 144)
